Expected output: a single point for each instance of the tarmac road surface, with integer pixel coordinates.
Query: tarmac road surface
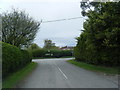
(57, 73)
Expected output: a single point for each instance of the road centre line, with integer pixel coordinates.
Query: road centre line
(61, 71)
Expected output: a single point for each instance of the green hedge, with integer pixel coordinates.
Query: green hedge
(105, 57)
(13, 59)
(39, 52)
(51, 53)
(26, 57)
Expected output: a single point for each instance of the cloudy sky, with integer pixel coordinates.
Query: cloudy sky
(63, 32)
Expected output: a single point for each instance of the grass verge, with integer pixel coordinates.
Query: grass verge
(14, 78)
(107, 70)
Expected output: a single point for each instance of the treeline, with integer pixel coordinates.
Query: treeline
(38, 52)
(99, 42)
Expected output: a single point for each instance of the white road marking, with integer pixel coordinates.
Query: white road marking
(62, 73)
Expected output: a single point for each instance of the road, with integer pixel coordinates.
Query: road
(57, 73)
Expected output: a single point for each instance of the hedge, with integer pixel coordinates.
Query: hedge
(39, 52)
(13, 59)
(51, 53)
(105, 57)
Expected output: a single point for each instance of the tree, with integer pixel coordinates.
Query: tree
(33, 46)
(99, 42)
(49, 45)
(18, 28)
(103, 23)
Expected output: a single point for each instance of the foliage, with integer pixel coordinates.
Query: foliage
(51, 53)
(49, 45)
(26, 57)
(99, 42)
(39, 53)
(60, 53)
(18, 28)
(33, 46)
(13, 59)
(48, 51)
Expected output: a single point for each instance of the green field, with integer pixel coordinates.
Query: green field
(107, 70)
(14, 78)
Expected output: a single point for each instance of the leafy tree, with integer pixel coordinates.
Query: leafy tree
(99, 42)
(49, 45)
(33, 46)
(18, 28)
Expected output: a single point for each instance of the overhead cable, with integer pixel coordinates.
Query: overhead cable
(61, 19)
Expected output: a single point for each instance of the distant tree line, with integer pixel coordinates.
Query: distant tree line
(99, 42)
(49, 50)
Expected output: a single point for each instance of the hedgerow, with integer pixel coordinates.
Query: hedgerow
(51, 53)
(13, 59)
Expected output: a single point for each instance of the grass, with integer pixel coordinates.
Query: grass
(107, 70)
(14, 78)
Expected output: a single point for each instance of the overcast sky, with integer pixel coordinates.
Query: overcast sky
(63, 32)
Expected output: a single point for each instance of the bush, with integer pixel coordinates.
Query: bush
(13, 59)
